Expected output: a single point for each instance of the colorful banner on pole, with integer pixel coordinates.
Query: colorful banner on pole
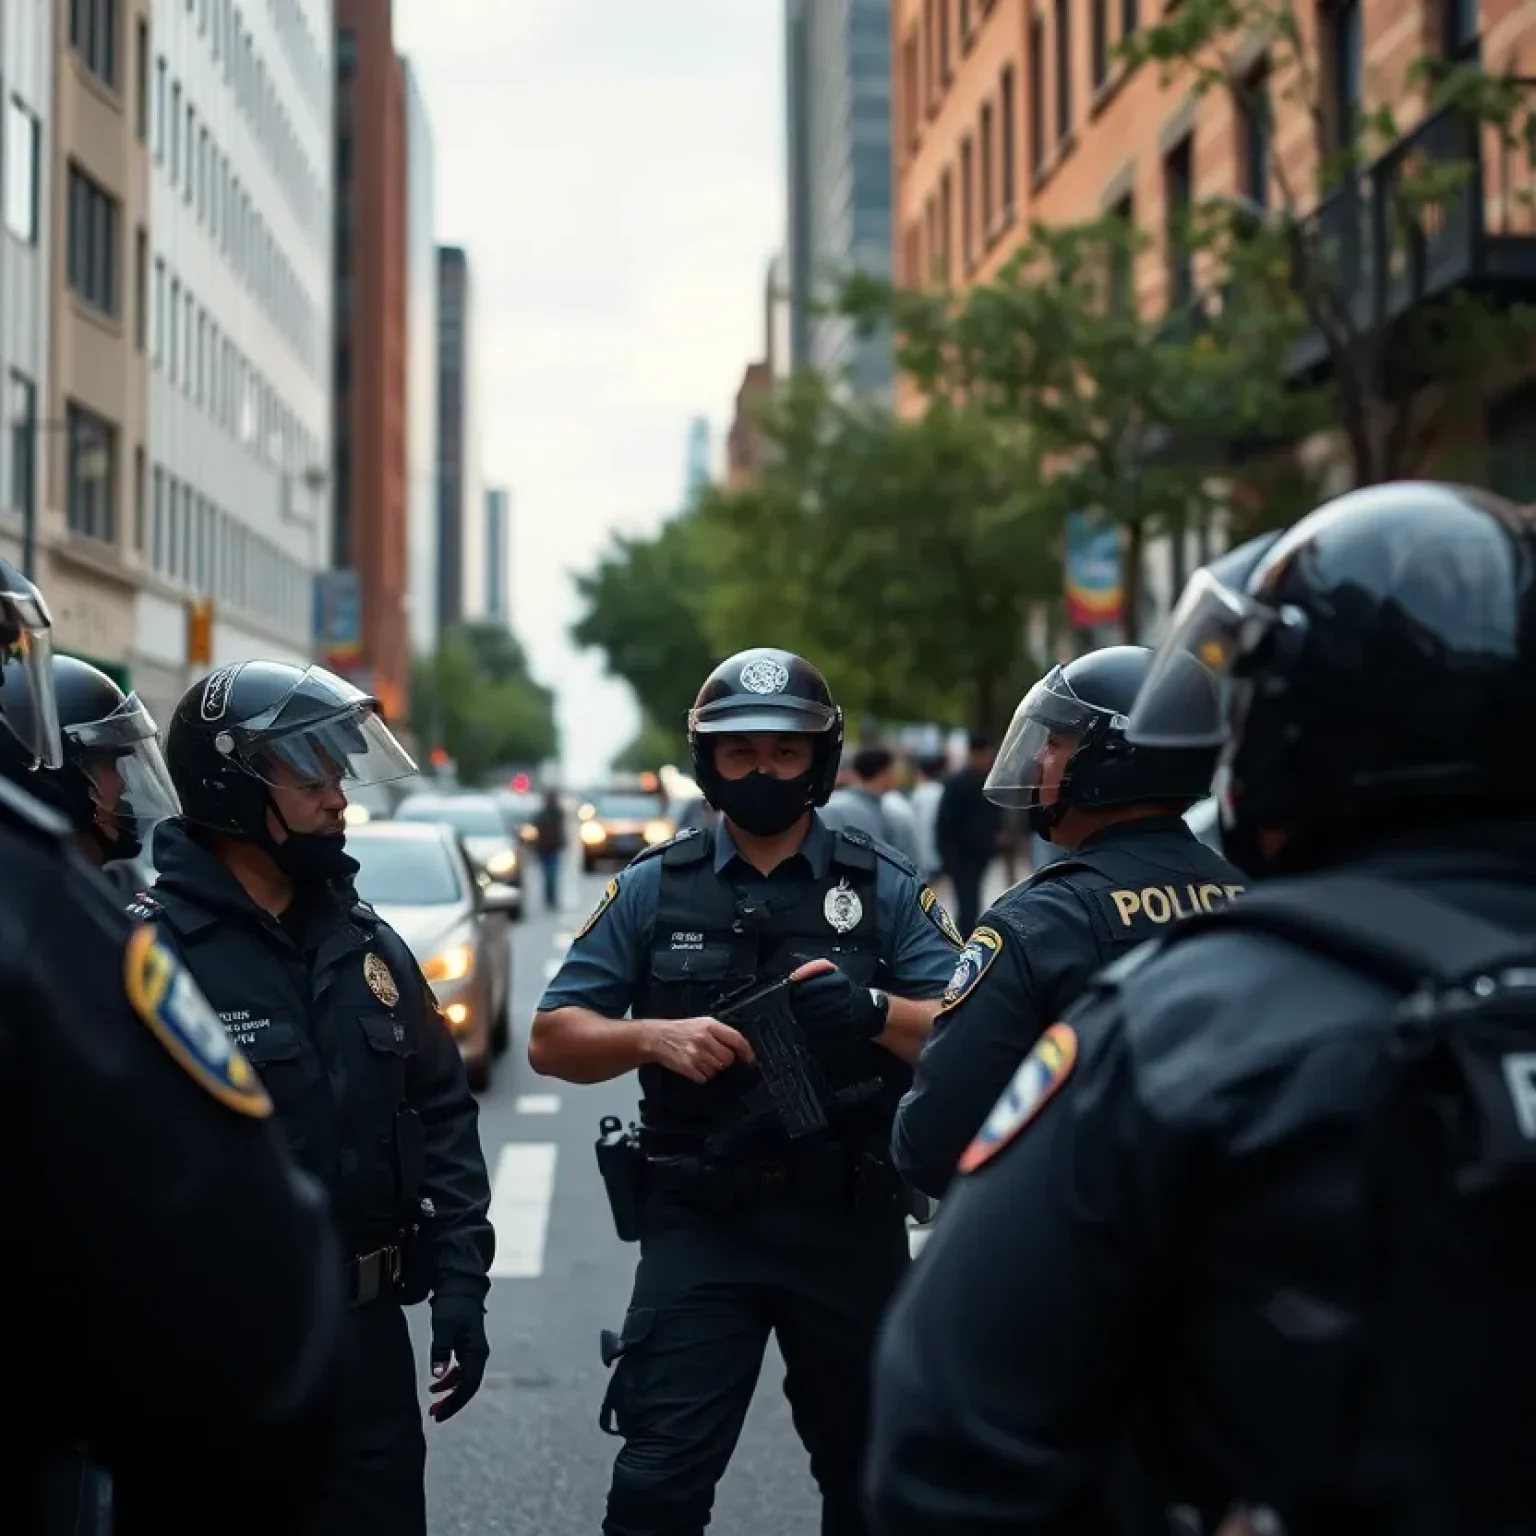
(1092, 571)
(338, 618)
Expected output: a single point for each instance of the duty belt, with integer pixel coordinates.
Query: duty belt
(371, 1275)
(843, 1180)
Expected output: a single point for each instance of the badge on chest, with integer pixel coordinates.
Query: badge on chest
(380, 979)
(842, 908)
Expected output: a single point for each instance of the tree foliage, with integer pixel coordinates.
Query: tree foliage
(475, 698)
(1357, 231)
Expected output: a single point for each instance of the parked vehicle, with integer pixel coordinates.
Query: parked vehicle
(488, 833)
(420, 879)
(615, 826)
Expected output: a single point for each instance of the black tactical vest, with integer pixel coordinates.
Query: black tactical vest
(712, 936)
(1130, 888)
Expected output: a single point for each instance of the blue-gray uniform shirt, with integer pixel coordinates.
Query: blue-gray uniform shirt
(609, 957)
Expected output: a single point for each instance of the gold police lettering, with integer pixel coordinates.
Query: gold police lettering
(1167, 903)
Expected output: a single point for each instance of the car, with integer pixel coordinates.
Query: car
(487, 832)
(616, 825)
(419, 877)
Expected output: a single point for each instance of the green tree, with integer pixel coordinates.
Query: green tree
(475, 698)
(901, 556)
(1358, 235)
(644, 610)
(1131, 414)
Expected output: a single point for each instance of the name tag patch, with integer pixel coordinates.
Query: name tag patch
(163, 994)
(1034, 1085)
(981, 949)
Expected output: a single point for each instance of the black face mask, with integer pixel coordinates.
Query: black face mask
(761, 804)
(314, 858)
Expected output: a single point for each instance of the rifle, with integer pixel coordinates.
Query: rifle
(792, 1077)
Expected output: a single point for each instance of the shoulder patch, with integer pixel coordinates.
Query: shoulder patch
(980, 950)
(161, 991)
(933, 910)
(1034, 1085)
(603, 903)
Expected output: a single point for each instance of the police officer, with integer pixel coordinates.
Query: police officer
(1206, 1218)
(254, 893)
(171, 1278)
(113, 785)
(746, 1231)
(1131, 866)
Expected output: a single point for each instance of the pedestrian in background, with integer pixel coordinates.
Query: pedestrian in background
(873, 805)
(925, 815)
(549, 825)
(967, 832)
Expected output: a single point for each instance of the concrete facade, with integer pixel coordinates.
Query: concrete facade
(237, 507)
(461, 538)
(838, 118)
(421, 366)
(26, 255)
(91, 424)
(371, 367)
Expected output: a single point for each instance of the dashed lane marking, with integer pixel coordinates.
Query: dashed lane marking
(537, 1104)
(521, 1192)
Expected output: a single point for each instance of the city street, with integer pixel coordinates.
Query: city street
(527, 1455)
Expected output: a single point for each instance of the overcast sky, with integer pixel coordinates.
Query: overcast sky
(614, 169)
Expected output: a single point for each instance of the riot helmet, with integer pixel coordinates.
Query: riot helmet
(766, 691)
(247, 730)
(1067, 744)
(1376, 664)
(26, 638)
(113, 784)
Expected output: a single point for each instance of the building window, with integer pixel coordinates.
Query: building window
(1130, 17)
(1008, 128)
(174, 332)
(159, 311)
(1063, 68)
(929, 55)
(191, 154)
(175, 132)
(141, 79)
(139, 491)
(1461, 22)
(346, 53)
(911, 112)
(1179, 179)
(157, 523)
(22, 420)
(946, 223)
(202, 173)
(1256, 125)
(1100, 42)
(967, 207)
(22, 166)
(1341, 22)
(92, 241)
(1036, 96)
(985, 134)
(946, 62)
(1123, 277)
(93, 36)
(160, 105)
(92, 474)
(141, 288)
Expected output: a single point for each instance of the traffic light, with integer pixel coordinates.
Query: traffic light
(200, 633)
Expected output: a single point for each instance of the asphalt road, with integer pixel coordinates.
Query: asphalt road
(527, 1455)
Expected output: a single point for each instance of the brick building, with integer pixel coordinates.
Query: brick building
(1009, 113)
(371, 483)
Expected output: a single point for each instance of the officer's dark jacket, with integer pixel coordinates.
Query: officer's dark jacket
(709, 939)
(1030, 959)
(144, 1213)
(1184, 1227)
(367, 1080)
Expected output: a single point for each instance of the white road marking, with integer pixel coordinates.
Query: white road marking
(916, 1238)
(520, 1197)
(537, 1104)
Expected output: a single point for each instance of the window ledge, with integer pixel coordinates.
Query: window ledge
(85, 310)
(1108, 89)
(1052, 163)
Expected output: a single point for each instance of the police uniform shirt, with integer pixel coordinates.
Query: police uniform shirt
(1029, 959)
(1165, 1214)
(606, 963)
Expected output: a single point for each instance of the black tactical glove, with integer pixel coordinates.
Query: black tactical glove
(459, 1351)
(829, 1003)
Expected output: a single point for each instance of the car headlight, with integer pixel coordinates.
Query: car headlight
(529, 833)
(450, 964)
(658, 831)
(502, 864)
(356, 815)
(592, 834)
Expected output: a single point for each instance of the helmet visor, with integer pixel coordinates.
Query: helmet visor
(120, 756)
(1186, 700)
(750, 716)
(27, 632)
(348, 749)
(1047, 729)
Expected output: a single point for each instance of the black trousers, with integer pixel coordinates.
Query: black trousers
(379, 1485)
(708, 1292)
(967, 875)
